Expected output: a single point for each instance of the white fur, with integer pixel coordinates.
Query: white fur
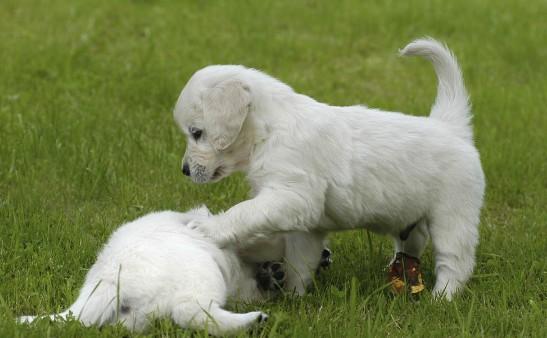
(316, 168)
(156, 267)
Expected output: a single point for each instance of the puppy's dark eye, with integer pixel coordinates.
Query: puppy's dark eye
(195, 132)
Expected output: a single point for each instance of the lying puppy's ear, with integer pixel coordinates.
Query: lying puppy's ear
(225, 108)
(202, 210)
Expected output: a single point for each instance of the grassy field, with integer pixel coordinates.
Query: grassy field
(87, 141)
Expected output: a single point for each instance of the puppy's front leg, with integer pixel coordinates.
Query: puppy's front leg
(302, 253)
(270, 212)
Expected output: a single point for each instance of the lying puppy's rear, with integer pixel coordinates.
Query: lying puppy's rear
(156, 267)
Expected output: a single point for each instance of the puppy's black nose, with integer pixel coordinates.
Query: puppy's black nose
(186, 169)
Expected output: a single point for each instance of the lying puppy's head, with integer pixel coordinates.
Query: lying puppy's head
(212, 111)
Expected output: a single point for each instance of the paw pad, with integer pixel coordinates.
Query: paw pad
(270, 276)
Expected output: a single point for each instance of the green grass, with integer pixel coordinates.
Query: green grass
(87, 141)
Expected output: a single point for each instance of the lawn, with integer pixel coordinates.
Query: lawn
(87, 141)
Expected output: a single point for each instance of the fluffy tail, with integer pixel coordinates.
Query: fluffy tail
(452, 102)
(96, 305)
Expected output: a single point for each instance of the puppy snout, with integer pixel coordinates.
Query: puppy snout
(186, 169)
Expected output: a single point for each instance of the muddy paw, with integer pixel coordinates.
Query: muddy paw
(270, 276)
(405, 273)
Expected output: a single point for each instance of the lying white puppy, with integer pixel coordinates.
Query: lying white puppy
(316, 168)
(156, 267)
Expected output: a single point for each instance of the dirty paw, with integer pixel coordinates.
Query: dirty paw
(404, 273)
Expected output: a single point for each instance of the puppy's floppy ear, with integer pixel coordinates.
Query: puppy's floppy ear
(202, 210)
(225, 108)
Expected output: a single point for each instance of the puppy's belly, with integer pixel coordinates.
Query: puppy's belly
(377, 227)
(272, 249)
(383, 228)
(392, 223)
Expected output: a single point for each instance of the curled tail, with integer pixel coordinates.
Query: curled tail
(96, 305)
(452, 102)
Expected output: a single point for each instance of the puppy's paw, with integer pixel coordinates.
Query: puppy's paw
(25, 319)
(211, 229)
(262, 317)
(326, 258)
(405, 273)
(271, 276)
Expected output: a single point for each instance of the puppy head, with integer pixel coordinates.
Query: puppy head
(211, 111)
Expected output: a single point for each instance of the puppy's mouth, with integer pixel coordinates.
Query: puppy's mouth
(199, 176)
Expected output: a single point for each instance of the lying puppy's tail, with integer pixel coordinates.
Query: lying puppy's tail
(96, 305)
(452, 102)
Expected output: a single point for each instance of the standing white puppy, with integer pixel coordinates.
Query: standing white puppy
(316, 168)
(156, 267)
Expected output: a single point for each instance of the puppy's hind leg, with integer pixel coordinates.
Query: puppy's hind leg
(454, 235)
(404, 270)
(94, 306)
(214, 319)
(413, 239)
